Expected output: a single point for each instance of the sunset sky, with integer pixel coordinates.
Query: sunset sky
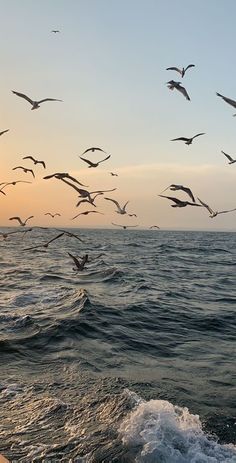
(108, 66)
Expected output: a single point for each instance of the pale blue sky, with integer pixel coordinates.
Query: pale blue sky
(108, 65)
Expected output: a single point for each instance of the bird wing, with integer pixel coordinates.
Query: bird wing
(93, 149)
(116, 224)
(131, 226)
(206, 206)
(90, 163)
(99, 162)
(16, 218)
(55, 238)
(76, 261)
(22, 95)
(198, 135)
(32, 172)
(48, 213)
(227, 155)
(30, 217)
(1, 191)
(180, 138)
(41, 162)
(224, 212)
(113, 201)
(176, 200)
(4, 131)
(59, 215)
(183, 91)
(18, 167)
(125, 204)
(189, 192)
(75, 180)
(227, 100)
(29, 157)
(189, 66)
(48, 99)
(174, 69)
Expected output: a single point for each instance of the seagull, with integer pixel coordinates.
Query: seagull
(93, 149)
(44, 245)
(79, 265)
(52, 215)
(173, 84)
(214, 213)
(35, 104)
(4, 131)
(231, 160)
(70, 234)
(63, 175)
(15, 182)
(132, 215)
(94, 164)
(187, 190)
(181, 71)
(86, 213)
(90, 200)
(227, 100)
(113, 175)
(124, 226)
(154, 226)
(188, 141)
(35, 161)
(20, 221)
(55, 31)
(24, 169)
(5, 235)
(178, 202)
(84, 193)
(120, 210)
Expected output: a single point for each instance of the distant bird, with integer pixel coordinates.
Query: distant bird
(15, 182)
(79, 264)
(63, 175)
(178, 202)
(86, 213)
(187, 190)
(93, 149)
(113, 175)
(70, 234)
(94, 164)
(154, 226)
(5, 235)
(55, 31)
(53, 215)
(227, 100)
(172, 84)
(124, 226)
(44, 245)
(214, 213)
(90, 200)
(120, 210)
(20, 221)
(132, 215)
(231, 160)
(25, 170)
(181, 71)
(188, 141)
(35, 161)
(4, 131)
(35, 104)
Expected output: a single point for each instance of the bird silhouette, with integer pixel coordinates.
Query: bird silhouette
(4, 131)
(20, 221)
(231, 160)
(35, 161)
(25, 170)
(187, 190)
(227, 100)
(93, 149)
(62, 176)
(94, 164)
(124, 226)
(120, 210)
(214, 213)
(172, 84)
(188, 141)
(35, 104)
(86, 213)
(53, 215)
(181, 71)
(178, 202)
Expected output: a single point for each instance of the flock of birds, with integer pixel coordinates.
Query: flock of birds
(89, 197)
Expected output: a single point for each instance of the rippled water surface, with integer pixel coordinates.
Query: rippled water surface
(131, 360)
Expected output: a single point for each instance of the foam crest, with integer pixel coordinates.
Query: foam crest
(165, 433)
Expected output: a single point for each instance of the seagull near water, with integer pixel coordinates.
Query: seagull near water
(94, 164)
(44, 245)
(188, 141)
(4, 131)
(181, 71)
(187, 190)
(86, 213)
(154, 226)
(172, 84)
(35, 161)
(79, 264)
(178, 202)
(231, 160)
(214, 213)
(120, 210)
(20, 221)
(25, 170)
(124, 226)
(35, 104)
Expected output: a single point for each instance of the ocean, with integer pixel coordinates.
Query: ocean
(131, 360)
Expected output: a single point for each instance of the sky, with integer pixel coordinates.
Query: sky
(108, 65)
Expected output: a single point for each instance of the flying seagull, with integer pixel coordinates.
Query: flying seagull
(188, 141)
(181, 71)
(214, 213)
(44, 245)
(113, 174)
(35, 104)
(5, 235)
(52, 215)
(4, 131)
(124, 226)
(20, 221)
(93, 149)
(187, 190)
(70, 234)
(231, 160)
(86, 213)
(79, 264)
(154, 226)
(25, 170)
(63, 175)
(178, 202)
(94, 164)
(172, 84)
(120, 210)
(55, 31)
(90, 200)
(35, 161)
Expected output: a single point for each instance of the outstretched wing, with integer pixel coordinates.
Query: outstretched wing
(189, 192)
(198, 134)
(48, 99)
(76, 261)
(174, 69)
(22, 95)
(29, 157)
(113, 201)
(90, 163)
(16, 218)
(176, 200)
(224, 212)
(117, 225)
(180, 138)
(4, 131)
(183, 91)
(93, 149)
(227, 155)
(206, 206)
(189, 66)
(227, 100)
(99, 162)
(41, 162)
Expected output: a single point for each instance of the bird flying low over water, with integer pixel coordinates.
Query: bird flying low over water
(214, 213)
(124, 226)
(53, 215)
(44, 245)
(187, 190)
(4, 131)
(154, 226)
(35, 104)
(231, 160)
(94, 164)
(181, 71)
(120, 210)
(20, 221)
(25, 170)
(178, 202)
(188, 141)
(79, 264)
(172, 84)
(86, 213)
(6, 234)
(35, 161)
(93, 149)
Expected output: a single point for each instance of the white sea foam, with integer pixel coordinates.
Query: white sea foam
(165, 433)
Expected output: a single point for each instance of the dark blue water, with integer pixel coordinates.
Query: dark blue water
(131, 360)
